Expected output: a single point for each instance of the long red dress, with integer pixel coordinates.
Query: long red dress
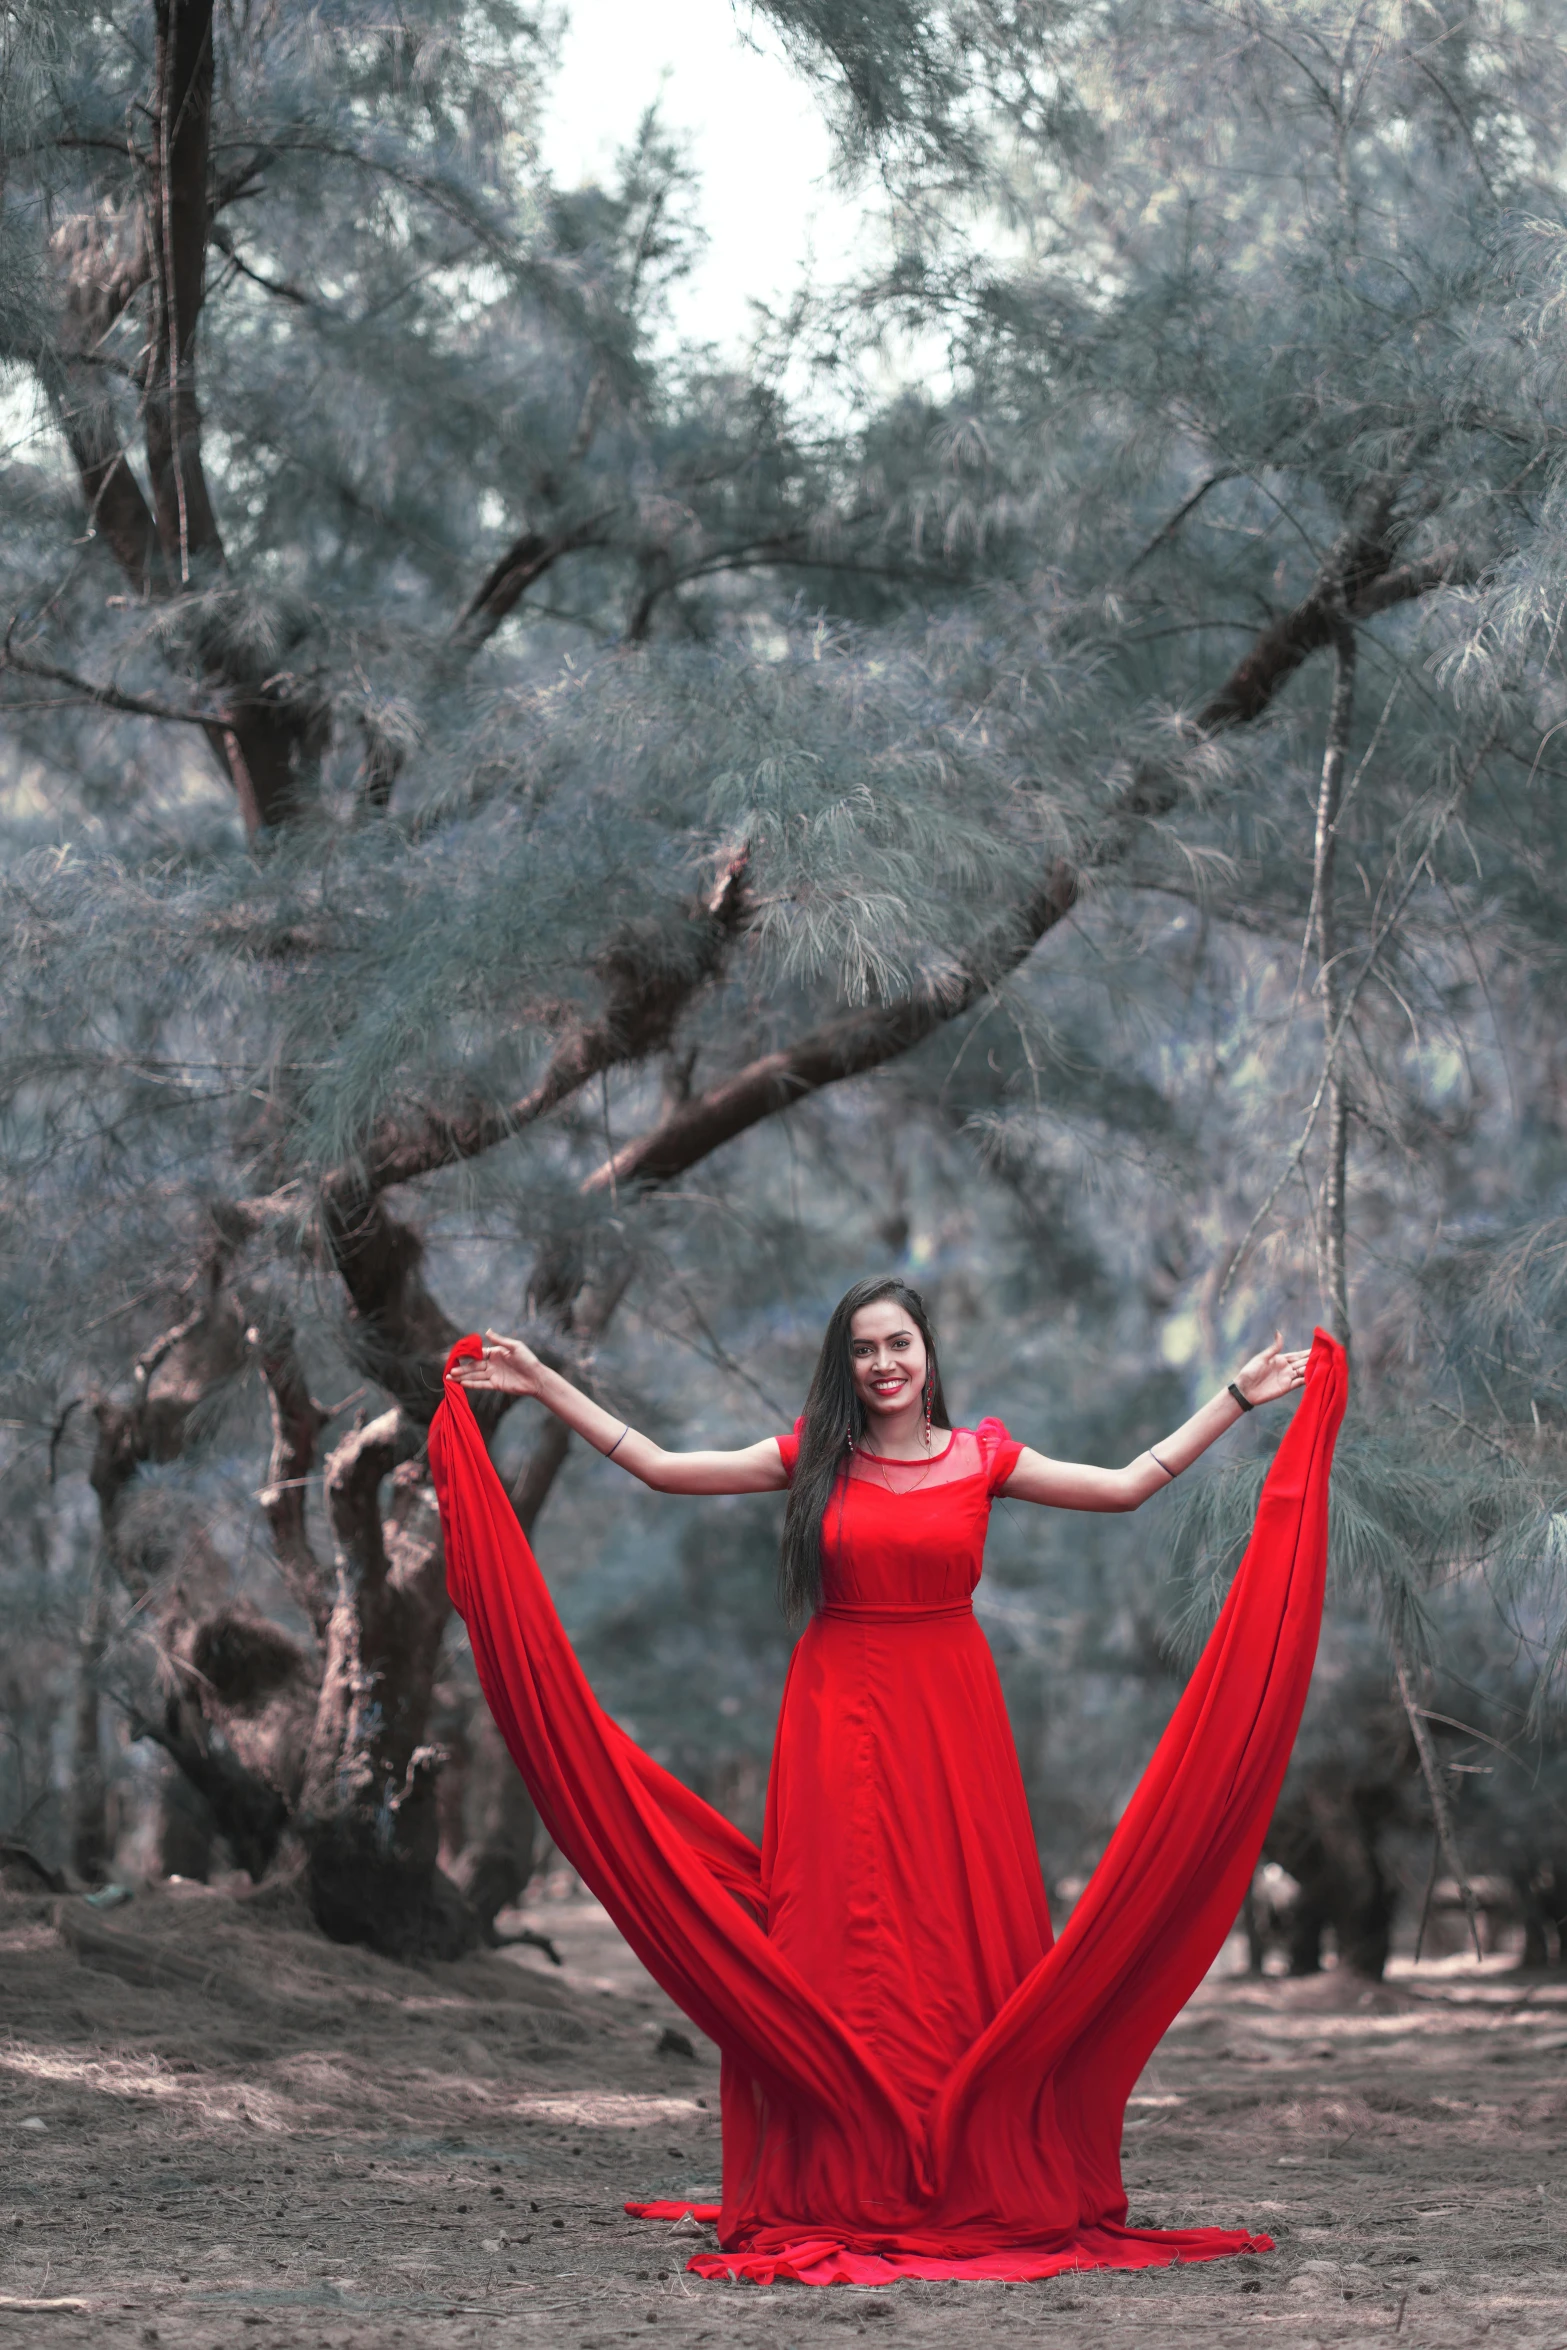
(916, 2081)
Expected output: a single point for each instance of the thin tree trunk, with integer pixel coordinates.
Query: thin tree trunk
(494, 1867)
(1324, 873)
(1335, 1190)
(89, 1788)
(1441, 1809)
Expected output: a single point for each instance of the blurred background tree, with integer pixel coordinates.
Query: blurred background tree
(1040, 774)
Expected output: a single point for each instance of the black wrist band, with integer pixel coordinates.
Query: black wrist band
(1244, 1401)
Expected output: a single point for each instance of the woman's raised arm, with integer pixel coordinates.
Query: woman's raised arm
(508, 1367)
(1075, 1485)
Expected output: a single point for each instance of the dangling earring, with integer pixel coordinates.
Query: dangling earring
(849, 1437)
(929, 1384)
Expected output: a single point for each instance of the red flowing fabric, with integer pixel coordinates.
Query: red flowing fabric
(916, 2080)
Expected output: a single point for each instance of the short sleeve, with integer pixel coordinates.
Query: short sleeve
(789, 1447)
(999, 1451)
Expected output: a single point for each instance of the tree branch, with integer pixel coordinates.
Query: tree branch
(353, 1489)
(526, 560)
(846, 1047)
(280, 287)
(1448, 567)
(115, 505)
(398, 1334)
(297, 1422)
(1357, 580)
(648, 983)
(102, 697)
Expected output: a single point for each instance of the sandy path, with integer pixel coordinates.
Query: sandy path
(250, 2137)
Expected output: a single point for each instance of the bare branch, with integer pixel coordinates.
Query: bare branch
(1167, 530)
(284, 291)
(1436, 1788)
(252, 1813)
(1335, 1041)
(102, 697)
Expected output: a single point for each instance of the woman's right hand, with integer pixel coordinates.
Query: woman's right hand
(506, 1366)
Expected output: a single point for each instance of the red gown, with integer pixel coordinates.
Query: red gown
(916, 2080)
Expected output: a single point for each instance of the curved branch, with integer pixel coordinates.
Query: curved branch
(848, 1047)
(1358, 580)
(647, 986)
(526, 560)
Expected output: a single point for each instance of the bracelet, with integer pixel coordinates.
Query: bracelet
(619, 1441)
(1244, 1401)
(1172, 1474)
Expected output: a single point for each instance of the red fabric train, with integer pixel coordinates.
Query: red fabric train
(915, 2080)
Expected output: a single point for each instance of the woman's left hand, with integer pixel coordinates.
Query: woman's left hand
(1277, 1371)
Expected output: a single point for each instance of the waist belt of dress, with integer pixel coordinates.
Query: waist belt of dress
(895, 1613)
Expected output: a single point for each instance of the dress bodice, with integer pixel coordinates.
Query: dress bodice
(901, 1536)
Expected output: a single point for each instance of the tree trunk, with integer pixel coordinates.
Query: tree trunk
(186, 1831)
(501, 1826)
(1327, 1834)
(1436, 1787)
(367, 1815)
(89, 1787)
(178, 200)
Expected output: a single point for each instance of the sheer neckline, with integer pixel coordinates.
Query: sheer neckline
(928, 1462)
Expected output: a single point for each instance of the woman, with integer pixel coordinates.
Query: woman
(915, 2080)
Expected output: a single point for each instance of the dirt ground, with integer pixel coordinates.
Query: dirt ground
(219, 2130)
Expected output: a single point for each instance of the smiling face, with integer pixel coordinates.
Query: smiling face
(887, 1359)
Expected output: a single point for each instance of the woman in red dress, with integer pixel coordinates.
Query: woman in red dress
(917, 2079)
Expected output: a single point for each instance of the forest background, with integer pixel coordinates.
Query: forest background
(1034, 767)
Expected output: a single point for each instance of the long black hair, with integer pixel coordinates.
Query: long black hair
(835, 1417)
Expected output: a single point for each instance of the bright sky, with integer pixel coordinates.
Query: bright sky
(756, 135)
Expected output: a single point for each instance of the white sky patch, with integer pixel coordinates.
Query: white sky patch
(756, 134)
